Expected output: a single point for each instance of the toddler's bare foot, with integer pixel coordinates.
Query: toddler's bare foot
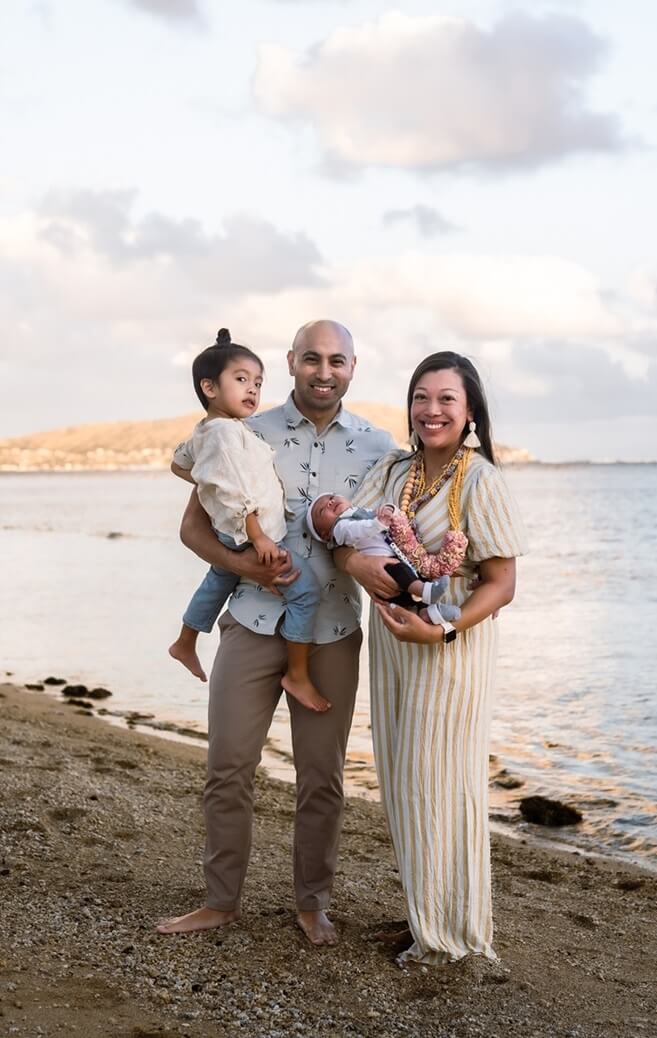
(188, 658)
(424, 615)
(317, 927)
(201, 919)
(306, 693)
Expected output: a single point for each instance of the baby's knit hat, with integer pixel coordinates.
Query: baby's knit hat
(309, 517)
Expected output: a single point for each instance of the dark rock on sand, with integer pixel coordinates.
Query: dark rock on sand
(54, 681)
(99, 693)
(543, 811)
(73, 701)
(81, 691)
(35, 688)
(506, 780)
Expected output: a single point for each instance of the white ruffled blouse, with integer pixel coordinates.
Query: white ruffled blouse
(235, 476)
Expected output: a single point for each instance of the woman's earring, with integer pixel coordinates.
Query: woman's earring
(414, 440)
(472, 440)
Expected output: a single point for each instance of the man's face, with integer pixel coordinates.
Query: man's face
(322, 366)
(325, 511)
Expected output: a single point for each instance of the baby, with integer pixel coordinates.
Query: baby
(333, 518)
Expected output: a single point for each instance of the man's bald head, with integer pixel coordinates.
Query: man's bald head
(323, 329)
(321, 362)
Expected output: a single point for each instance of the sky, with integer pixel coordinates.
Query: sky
(475, 176)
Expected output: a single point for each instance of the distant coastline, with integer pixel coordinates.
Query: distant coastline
(148, 445)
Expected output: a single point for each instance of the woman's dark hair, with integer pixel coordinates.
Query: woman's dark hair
(212, 361)
(474, 391)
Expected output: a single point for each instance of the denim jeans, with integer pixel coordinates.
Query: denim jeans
(301, 597)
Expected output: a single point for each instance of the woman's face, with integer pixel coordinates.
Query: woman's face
(439, 410)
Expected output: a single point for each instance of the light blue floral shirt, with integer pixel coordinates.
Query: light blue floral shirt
(334, 462)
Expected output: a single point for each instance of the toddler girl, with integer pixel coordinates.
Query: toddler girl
(239, 488)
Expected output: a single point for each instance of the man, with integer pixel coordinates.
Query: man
(319, 447)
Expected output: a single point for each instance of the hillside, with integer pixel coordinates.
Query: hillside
(148, 445)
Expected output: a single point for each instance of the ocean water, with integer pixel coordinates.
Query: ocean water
(576, 705)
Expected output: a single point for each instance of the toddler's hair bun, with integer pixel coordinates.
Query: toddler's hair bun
(223, 337)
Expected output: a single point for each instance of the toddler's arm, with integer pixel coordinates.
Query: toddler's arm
(182, 473)
(266, 549)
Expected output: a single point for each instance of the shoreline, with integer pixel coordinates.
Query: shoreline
(277, 764)
(102, 834)
(136, 469)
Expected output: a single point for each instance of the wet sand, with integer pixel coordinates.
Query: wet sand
(102, 834)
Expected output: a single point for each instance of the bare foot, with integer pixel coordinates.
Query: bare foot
(317, 927)
(201, 919)
(188, 658)
(306, 693)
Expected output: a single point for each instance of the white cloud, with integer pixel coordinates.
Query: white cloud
(176, 10)
(102, 321)
(428, 220)
(250, 253)
(434, 92)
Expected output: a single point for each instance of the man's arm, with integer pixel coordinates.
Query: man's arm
(197, 534)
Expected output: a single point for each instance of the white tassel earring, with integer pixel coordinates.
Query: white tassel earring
(472, 440)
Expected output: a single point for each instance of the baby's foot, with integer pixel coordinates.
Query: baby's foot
(188, 658)
(437, 589)
(306, 693)
(424, 615)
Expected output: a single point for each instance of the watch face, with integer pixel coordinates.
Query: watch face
(450, 636)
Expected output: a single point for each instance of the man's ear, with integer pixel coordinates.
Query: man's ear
(290, 361)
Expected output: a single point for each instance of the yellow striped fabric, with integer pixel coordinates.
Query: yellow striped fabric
(431, 709)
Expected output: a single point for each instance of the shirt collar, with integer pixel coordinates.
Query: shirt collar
(294, 418)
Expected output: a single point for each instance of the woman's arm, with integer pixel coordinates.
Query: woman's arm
(368, 570)
(196, 534)
(496, 589)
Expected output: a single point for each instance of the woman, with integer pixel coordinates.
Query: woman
(431, 698)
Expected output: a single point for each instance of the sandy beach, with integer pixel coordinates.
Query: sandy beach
(102, 834)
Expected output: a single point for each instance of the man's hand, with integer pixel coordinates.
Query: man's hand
(197, 534)
(408, 626)
(369, 571)
(272, 576)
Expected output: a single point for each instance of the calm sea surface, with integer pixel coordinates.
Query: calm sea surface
(576, 703)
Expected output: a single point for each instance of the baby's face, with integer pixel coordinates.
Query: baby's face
(325, 511)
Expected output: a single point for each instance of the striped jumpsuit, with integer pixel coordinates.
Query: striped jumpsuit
(431, 707)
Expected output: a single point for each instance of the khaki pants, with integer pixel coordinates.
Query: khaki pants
(245, 687)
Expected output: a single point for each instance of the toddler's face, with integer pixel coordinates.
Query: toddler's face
(325, 511)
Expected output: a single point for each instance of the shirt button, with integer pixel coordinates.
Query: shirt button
(304, 534)
(315, 444)
(313, 474)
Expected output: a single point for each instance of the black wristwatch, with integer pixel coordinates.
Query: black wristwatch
(450, 631)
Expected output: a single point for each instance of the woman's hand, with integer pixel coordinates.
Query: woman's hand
(407, 626)
(369, 571)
